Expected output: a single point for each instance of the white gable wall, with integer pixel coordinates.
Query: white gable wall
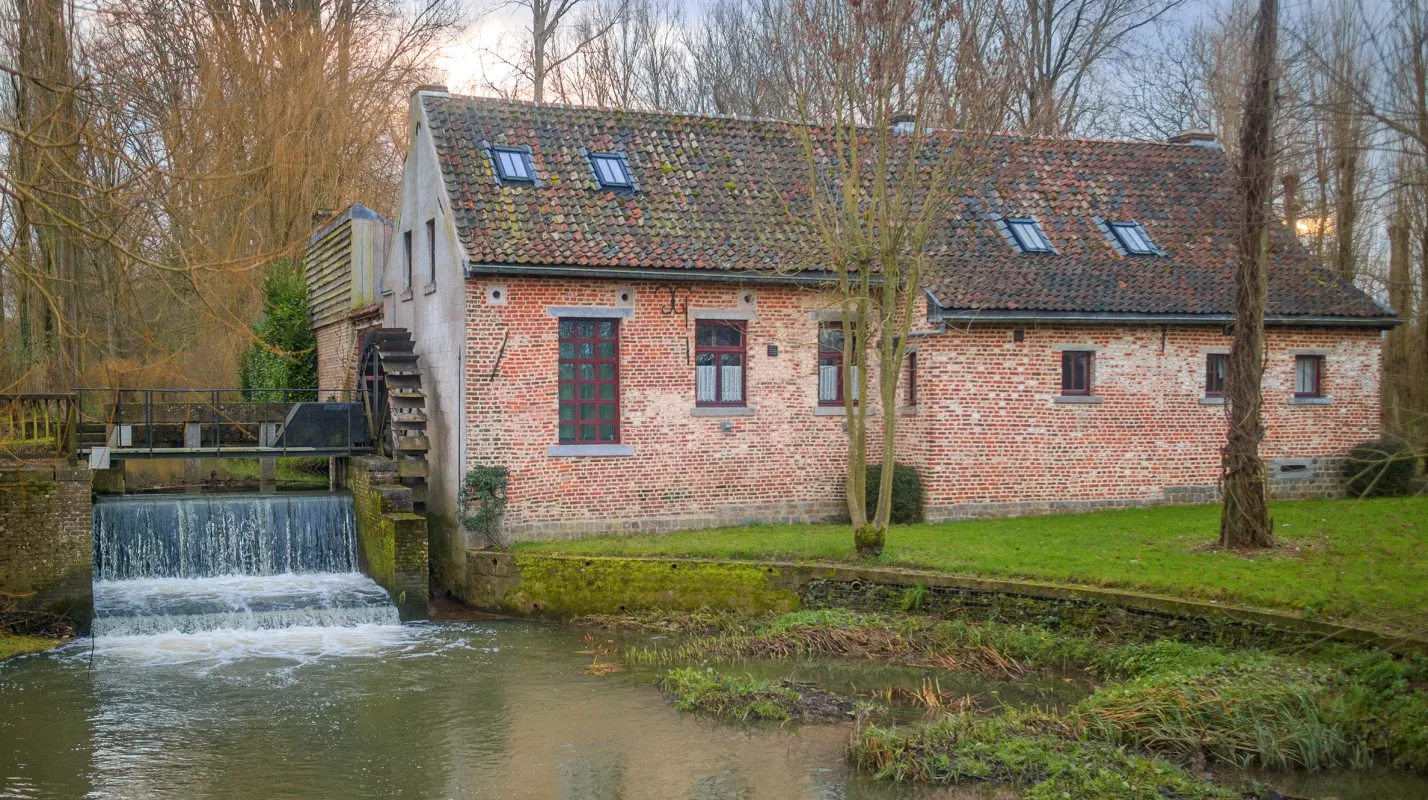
(431, 306)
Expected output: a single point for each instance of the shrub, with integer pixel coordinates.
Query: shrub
(907, 494)
(283, 354)
(1380, 468)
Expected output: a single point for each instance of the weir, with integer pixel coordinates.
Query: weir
(190, 563)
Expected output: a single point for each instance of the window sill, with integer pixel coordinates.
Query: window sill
(1078, 399)
(405, 295)
(1311, 401)
(589, 450)
(430, 288)
(908, 411)
(1212, 401)
(721, 411)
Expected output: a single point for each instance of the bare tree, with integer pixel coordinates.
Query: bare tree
(1245, 521)
(547, 47)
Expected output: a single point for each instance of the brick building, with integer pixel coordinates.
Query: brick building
(597, 306)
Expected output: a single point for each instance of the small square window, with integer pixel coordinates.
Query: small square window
(611, 170)
(1308, 376)
(719, 356)
(1133, 238)
(513, 164)
(1076, 372)
(1216, 367)
(1029, 236)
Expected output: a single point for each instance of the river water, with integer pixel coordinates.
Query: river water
(238, 654)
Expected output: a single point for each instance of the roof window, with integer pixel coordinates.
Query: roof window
(1133, 238)
(513, 164)
(1029, 236)
(611, 170)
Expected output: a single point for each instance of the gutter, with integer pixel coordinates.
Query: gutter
(691, 275)
(1132, 317)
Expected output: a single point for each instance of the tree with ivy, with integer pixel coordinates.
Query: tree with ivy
(283, 354)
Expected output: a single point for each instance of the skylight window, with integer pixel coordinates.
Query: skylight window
(513, 165)
(611, 170)
(1029, 236)
(1133, 238)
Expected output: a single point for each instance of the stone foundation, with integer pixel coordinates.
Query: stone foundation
(47, 540)
(721, 516)
(392, 542)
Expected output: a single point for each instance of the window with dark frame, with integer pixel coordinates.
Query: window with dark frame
(513, 165)
(589, 381)
(1076, 373)
(431, 251)
(611, 170)
(1216, 367)
(1308, 376)
(1133, 238)
(720, 355)
(830, 365)
(1029, 236)
(407, 256)
(912, 378)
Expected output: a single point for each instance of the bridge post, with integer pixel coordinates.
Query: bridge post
(192, 467)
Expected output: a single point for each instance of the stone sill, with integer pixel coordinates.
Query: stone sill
(406, 295)
(1077, 400)
(721, 411)
(908, 411)
(1212, 401)
(589, 450)
(1311, 401)
(430, 288)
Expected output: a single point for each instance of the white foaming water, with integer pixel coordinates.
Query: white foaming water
(216, 648)
(239, 602)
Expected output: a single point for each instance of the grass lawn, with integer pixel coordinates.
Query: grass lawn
(1363, 561)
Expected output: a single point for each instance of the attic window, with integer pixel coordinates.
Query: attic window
(611, 170)
(1133, 238)
(513, 165)
(1029, 236)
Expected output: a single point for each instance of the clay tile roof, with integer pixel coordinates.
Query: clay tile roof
(711, 193)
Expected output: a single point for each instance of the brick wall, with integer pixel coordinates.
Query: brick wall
(987, 431)
(392, 542)
(47, 539)
(992, 440)
(783, 463)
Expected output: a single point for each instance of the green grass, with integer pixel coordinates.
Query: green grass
(13, 645)
(1352, 560)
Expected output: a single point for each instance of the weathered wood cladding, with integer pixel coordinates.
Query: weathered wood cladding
(344, 263)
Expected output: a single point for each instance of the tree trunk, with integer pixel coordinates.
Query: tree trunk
(1398, 345)
(1245, 518)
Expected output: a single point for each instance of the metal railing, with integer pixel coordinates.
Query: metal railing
(35, 423)
(211, 422)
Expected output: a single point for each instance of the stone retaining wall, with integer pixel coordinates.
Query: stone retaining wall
(567, 586)
(392, 542)
(47, 540)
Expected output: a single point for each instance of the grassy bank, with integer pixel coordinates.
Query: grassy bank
(16, 645)
(1190, 704)
(1358, 561)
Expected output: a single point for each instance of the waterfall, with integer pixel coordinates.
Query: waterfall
(246, 562)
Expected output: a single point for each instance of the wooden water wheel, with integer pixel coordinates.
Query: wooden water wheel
(392, 398)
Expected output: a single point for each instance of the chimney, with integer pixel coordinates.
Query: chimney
(903, 123)
(1199, 138)
(431, 88)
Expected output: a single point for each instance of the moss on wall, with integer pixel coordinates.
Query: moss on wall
(391, 541)
(564, 587)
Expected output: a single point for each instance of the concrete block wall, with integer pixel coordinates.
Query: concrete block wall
(47, 539)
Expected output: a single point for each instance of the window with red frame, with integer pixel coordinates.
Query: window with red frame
(1075, 372)
(830, 365)
(720, 354)
(1216, 367)
(1308, 376)
(589, 381)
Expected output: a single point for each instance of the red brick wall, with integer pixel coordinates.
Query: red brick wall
(987, 434)
(990, 438)
(785, 462)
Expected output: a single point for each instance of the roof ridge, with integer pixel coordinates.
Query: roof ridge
(1004, 135)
